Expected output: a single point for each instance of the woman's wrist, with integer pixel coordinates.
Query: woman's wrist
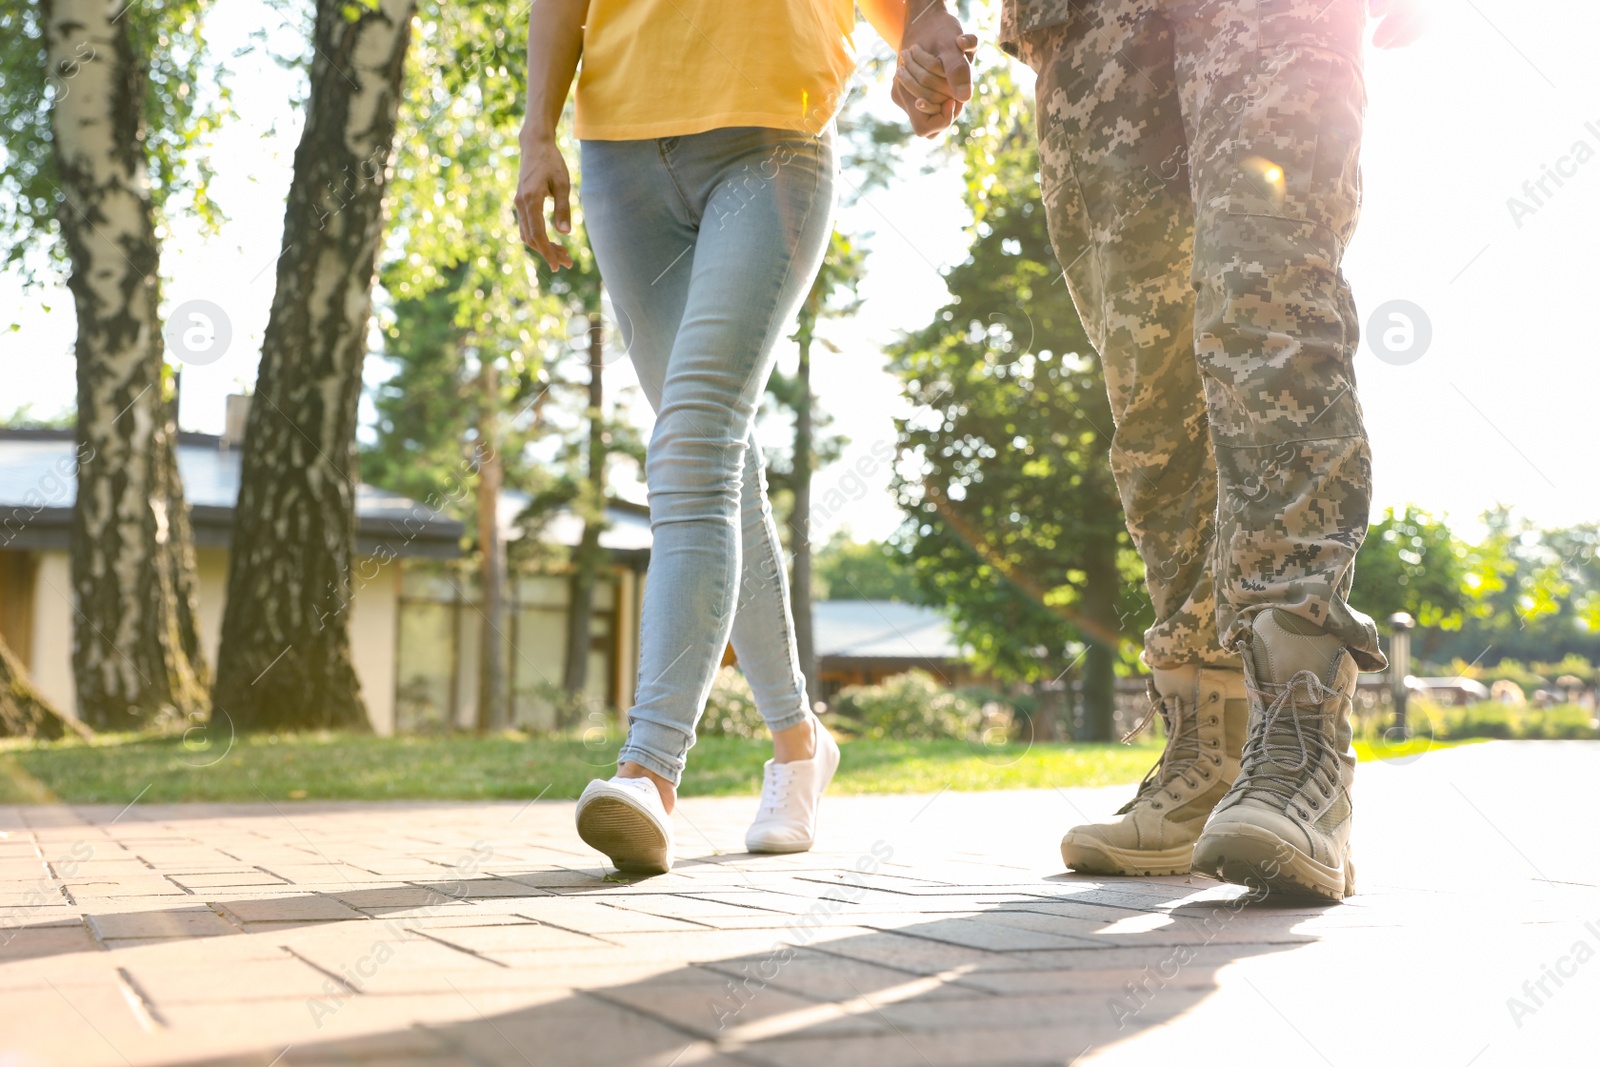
(536, 133)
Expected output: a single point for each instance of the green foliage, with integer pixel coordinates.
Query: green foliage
(1531, 594)
(909, 706)
(424, 408)
(185, 98)
(731, 709)
(1492, 720)
(857, 570)
(1562, 722)
(1411, 562)
(1527, 677)
(455, 173)
(23, 418)
(1014, 521)
(323, 766)
(1509, 670)
(465, 292)
(832, 296)
(1571, 664)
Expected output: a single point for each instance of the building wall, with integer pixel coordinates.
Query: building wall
(51, 664)
(211, 573)
(373, 619)
(441, 632)
(630, 591)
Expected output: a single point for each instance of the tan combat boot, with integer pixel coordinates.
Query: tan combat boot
(1285, 824)
(1205, 712)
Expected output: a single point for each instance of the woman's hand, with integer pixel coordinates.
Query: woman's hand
(933, 79)
(544, 176)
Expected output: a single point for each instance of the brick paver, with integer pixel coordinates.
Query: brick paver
(925, 930)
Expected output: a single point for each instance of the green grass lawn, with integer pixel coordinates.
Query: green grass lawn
(115, 769)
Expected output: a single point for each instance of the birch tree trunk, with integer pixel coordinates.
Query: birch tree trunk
(24, 711)
(285, 656)
(135, 651)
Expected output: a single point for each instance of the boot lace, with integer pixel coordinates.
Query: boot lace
(1181, 753)
(1292, 747)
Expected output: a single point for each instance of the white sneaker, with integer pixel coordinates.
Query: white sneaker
(790, 793)
(625, 819)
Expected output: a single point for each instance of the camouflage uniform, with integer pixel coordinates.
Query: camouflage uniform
(1199, 167)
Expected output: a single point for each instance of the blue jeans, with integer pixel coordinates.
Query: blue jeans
(707, 244)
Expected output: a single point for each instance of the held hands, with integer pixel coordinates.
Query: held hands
(544, 176)
(933, 80)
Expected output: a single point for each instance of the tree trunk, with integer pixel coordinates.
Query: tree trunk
(1043, 724)
(1099, 667)
(135, 651)
(1071, 728)
(800, 518)
(285, 657)
(24, 712)
(587, 558)
(492, 703)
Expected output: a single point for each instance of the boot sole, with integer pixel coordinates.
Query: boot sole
(1100, 858)
(1254, 857)
(634, 844)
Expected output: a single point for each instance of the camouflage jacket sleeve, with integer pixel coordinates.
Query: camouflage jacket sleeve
(1019, 17)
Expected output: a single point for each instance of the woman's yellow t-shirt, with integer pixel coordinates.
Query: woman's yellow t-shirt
(667, 68)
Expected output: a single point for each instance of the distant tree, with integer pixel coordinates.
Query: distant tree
(1577, 558)
(1014, 522)
(1411, 562)
(1531, 595)
(864, 570)
(513, 356)
(23, 418)
(832, 295)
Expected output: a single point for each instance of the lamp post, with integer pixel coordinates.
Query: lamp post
(1400, 625)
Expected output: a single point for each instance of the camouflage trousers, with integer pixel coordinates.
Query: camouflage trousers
(1199, 167)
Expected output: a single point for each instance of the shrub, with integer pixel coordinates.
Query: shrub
(1489, 719)
(731, 708)
(912, 706)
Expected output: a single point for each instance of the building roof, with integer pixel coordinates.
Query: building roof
(882, 630)
(627, 531)
(38, 486)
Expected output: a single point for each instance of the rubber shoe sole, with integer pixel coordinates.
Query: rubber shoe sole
(625, 834)
(1088, 856)
(1258, 858)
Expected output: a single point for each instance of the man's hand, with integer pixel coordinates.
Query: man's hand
(1402, 22)
(934, 79)
(544, 176)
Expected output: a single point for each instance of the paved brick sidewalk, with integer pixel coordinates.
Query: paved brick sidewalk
(927, 930)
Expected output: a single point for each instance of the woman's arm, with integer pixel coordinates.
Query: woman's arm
(555, 40)
(924, 30)
(888, 17)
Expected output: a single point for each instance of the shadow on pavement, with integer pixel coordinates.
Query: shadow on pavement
(1039, 974)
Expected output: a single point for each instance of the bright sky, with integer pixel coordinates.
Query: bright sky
(1500, 408)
